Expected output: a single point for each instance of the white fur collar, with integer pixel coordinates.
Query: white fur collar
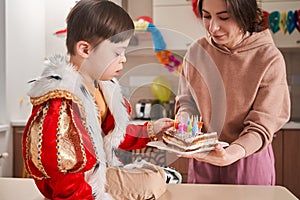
(115, 101)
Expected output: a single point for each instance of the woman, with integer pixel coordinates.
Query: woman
(235, 78)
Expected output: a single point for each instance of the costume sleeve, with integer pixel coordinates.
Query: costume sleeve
(66, 187)
(136, 137)
(55, 150)
(271, 109)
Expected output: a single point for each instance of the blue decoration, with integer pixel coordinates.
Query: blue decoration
(290, 24)
(274, 19)
(158, 40)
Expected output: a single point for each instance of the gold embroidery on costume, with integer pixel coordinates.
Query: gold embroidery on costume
(70, 157)
(35, 141)
(59, 94)
(55, 94)
(69, 144)
(84, 159)
(65, 149)
(28, 140)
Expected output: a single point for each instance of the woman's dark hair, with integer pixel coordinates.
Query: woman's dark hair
(246, 13)
(97, 20)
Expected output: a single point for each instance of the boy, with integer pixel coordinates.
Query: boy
(79, 115)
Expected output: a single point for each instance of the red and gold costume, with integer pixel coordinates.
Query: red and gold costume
(65, 148)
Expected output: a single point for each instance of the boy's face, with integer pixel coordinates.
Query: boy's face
(106, 60)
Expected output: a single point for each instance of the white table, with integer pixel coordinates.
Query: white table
(19, 188)
(226, 192)
(25, 189)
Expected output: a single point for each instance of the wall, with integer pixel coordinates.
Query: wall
(29, 28)
(3, 118)
(25, 51)
(56, 12)
(2, 63)
(291, 57)
(137, 8)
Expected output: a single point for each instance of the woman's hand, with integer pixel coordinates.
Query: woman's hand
(162, 124)
(220, 156)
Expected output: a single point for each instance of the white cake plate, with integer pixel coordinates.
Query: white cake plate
(163, 146)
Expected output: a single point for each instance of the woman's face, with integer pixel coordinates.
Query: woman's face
(220, 25)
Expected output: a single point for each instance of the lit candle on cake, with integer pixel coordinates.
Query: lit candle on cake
(185, 128)
(180, 128)
(189, 125)
(195, 126)
(176, 122)
(200, 124)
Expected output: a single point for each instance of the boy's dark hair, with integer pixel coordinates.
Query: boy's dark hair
(96, 20)
(246, 13)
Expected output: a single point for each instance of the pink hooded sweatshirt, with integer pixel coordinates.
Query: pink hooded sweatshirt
(241, 93)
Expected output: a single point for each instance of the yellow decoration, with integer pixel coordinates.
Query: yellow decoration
(141, 25)
(161, 88)
(283, 21)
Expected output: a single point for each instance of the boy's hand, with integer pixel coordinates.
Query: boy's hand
(162, 124)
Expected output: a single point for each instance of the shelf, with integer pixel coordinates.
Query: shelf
(18, 123)
(4, 128)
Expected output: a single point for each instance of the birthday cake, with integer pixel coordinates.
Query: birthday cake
(187, 136)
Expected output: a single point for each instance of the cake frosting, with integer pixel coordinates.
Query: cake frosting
(186, 135)
(188, 141)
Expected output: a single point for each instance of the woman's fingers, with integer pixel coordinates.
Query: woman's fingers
(197, 156)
